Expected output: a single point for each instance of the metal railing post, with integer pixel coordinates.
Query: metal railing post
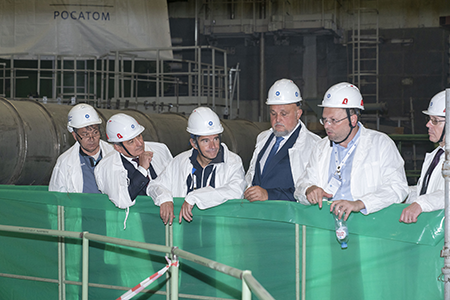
(95, 79)
(116, 75)
(122, 78)
(199, 74)
(85, 270)
(75, 82)
(12, 79)
(303, 262)
(174, 280)
(168, 243)
(213, 78)
(54, 76)
(107, 79)
(132, 80)
(445, 253)
(38, 88)
(102, 79)
(246, 293)
(61, 256)
(225, 85)
(297, 262)
(157, 76)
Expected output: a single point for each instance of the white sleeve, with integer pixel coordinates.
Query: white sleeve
(251, 169)
(412, 197)
(160, 188)
(57, 181)
(311, 177)
(114, 183)
(260, 139)
(432, 201)
(393, 187)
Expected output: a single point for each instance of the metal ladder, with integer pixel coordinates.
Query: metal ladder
(364, 41)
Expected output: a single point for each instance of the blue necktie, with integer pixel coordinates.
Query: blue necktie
(273, 151)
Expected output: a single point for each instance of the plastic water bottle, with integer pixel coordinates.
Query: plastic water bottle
(341, 231)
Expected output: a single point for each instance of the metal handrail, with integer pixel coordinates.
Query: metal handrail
(248, 281)
(200, 77)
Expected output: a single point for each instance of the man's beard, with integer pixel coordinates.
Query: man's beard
(281, 133)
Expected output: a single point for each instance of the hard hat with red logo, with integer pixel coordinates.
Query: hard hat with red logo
(343, 95)
(437, 105)
(122, 127)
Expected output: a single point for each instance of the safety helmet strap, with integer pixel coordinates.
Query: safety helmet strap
(126, 150)
(350, 124)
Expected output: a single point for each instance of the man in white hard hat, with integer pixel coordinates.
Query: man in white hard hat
(125, 173)
(428, 195)
(74, 169)
(282, 152)
(359, 169)
(207, 175)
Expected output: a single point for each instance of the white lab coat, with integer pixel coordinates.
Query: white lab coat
(298, 155)
(229, 182)
(112, 177)
(377, 178)
(67, 176)
(434, 197)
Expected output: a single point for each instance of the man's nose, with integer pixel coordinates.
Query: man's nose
(278, 118)
(212, 144)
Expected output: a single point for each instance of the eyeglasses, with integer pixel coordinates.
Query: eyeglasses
(433, 121)
(89, 135)
(330, 121)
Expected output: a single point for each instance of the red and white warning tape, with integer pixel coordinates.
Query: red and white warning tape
(147, 281)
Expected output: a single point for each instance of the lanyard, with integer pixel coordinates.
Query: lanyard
(344, 160)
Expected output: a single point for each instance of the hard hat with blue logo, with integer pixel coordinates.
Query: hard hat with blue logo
(343, 95)
(82, 115)
(437, 105)
(203, 121)
(122, 127)
(283, 91)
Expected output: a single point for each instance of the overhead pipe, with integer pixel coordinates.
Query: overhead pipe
(33, 135)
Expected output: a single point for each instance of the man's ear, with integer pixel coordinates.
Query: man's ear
(354, 119)
(299, 113)
(118, 148)
(193, 143)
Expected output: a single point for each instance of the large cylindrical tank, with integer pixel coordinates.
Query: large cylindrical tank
(33, 135)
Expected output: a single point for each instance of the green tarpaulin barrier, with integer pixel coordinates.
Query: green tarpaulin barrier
(385, 259)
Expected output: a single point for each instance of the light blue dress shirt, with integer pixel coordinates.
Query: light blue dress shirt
(344, 191)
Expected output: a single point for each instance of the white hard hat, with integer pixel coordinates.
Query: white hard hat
(82, 115)
(283, 91)
(437, 105)
(203, 121)
(343, 95)
(122, 127)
